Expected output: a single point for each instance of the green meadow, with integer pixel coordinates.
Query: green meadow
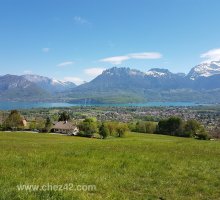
(139, 166)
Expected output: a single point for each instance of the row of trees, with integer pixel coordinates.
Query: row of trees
(143, 127)
(91, 126)
(175, 126)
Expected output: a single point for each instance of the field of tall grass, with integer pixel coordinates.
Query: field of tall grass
(139, 166)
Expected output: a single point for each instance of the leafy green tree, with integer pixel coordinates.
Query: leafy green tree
(121, 129)
(192, 127)
(40, 124)
(32, 125)
(132, 126)
(140, 127)
(103, 131)
(149, 118)
(150, 127)
(88, 127)
(64, 116)
(111, 127)
(202, 134)
(14, 121)
(48, 125)
(171, 126)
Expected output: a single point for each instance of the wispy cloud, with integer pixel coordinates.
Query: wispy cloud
(45, 50)
(116, 60)
(66, 63)
(80, 20)
(76, 80)
(95, 71)
(145, 55)
(211, 55)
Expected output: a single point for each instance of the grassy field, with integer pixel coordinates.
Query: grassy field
(140, 166)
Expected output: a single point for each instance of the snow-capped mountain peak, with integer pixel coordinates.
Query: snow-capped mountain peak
(205, 70)
(157, 72)
(50, 84)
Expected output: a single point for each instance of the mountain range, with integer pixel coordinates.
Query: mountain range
(121, 85)
(31, 87)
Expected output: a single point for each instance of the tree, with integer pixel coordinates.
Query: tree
(121, 129)
(32, 125)
(88, 127)
(64, 116)
(140, 127)
(145, 127)
(150, 127)
(202, 134)
(191, 127)
(103, 130)
(172, 126)
(48, 125)
(40, 124)
(111, 127)
(14, 121)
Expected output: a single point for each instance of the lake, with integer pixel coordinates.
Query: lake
(29, 105)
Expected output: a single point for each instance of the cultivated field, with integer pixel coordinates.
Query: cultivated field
(139, 166)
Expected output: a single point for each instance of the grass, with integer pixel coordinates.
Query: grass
(140, 166)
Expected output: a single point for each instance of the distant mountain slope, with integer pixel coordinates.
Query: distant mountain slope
(14, 87)
(48, 84)
(120, 85)
(130, 85)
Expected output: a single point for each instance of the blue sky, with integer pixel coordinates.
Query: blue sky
(76, 40)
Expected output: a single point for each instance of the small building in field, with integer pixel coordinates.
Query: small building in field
(65, 127)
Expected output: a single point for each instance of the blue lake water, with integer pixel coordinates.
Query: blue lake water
(29, 105)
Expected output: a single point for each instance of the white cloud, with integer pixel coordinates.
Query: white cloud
(80, 20)
(63, 64)
(145, 55)
(211, 55)
(116, 60)
(76, 80)
(46, 49)
(95, 71)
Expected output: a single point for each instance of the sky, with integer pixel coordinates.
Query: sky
(76, 40)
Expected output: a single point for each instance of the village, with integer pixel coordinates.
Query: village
(69, 120)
